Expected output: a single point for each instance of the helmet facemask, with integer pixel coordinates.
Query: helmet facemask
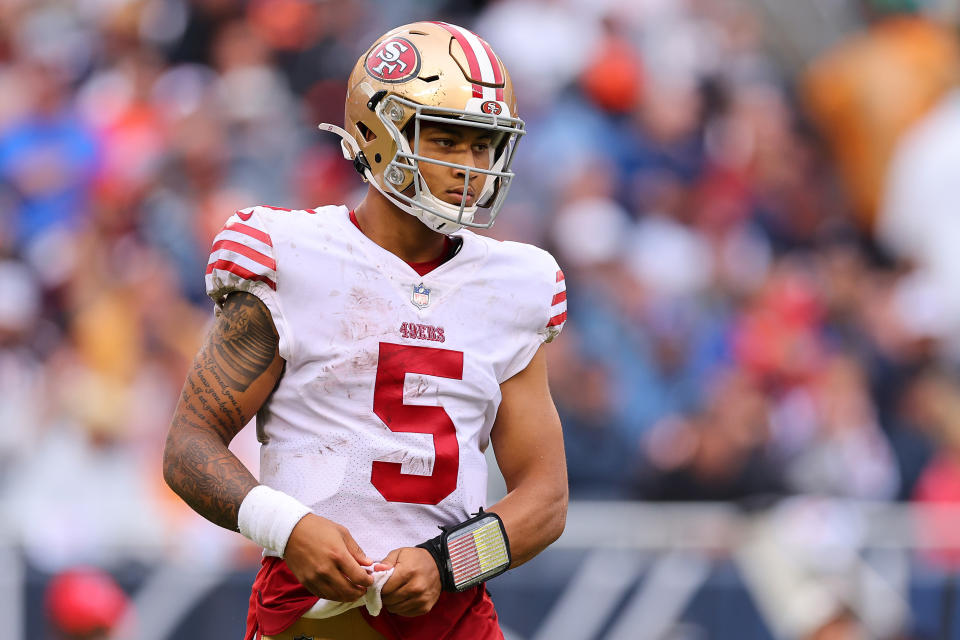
(405, 186)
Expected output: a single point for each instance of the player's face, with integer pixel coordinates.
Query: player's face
(459, 145)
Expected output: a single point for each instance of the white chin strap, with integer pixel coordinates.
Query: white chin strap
(434, 221)
(351, 150)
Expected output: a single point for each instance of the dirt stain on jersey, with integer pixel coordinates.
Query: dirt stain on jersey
(362, 302)
(364, 361)
(364, 315)
(420, 388)
(332, 444)
(411, 463)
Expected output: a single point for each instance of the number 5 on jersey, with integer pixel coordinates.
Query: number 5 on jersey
(395, 362)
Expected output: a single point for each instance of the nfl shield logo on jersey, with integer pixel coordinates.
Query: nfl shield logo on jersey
(421, 296)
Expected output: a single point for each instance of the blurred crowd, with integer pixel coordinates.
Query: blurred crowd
(760, 257)
(760, 251)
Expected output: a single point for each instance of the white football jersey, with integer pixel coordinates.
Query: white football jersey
(392, 379)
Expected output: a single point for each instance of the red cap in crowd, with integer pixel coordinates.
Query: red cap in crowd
(85, 600)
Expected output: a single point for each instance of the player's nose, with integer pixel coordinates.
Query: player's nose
(465, 159)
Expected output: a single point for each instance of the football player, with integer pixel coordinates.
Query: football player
(382, 350)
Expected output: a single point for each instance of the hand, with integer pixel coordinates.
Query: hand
(414, 587)
(326, 559)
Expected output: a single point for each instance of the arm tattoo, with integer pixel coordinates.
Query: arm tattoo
(197, 464)
(209, 478)
(245, 345)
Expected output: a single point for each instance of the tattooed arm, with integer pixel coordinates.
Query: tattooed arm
(232, 376)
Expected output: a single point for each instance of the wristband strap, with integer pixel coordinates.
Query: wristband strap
(268, 516)
(435, 547)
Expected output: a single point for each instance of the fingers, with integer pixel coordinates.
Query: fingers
(355, 549)
(412, 589)
(350, 558)
(396, 581)
(353, 572)
(337, 580)
(339, 589)
(391, 558)
(331, 584)
(323, 557)
(399, 577)
(390, 562)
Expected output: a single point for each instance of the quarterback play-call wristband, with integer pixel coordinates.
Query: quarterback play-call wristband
(470, 552)
(268, 516)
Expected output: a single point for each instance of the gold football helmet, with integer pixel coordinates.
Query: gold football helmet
(429, 72)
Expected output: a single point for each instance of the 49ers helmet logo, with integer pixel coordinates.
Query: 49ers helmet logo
(491, 107)
(394, 60)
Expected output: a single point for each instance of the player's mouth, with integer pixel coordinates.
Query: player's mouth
(458, 195)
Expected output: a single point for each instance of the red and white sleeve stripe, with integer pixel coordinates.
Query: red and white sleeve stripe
(558, 306)
(242, 254)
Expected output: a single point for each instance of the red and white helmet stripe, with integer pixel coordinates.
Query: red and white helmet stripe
(482, 62)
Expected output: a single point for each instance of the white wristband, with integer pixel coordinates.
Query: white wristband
(268, 516)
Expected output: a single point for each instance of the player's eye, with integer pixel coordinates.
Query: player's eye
(442, 142)
(480, 147)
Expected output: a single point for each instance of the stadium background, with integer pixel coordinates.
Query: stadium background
(755, 205)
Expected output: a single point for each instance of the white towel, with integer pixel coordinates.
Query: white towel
(329, 608)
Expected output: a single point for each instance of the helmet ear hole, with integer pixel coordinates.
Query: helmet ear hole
(366, 132)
